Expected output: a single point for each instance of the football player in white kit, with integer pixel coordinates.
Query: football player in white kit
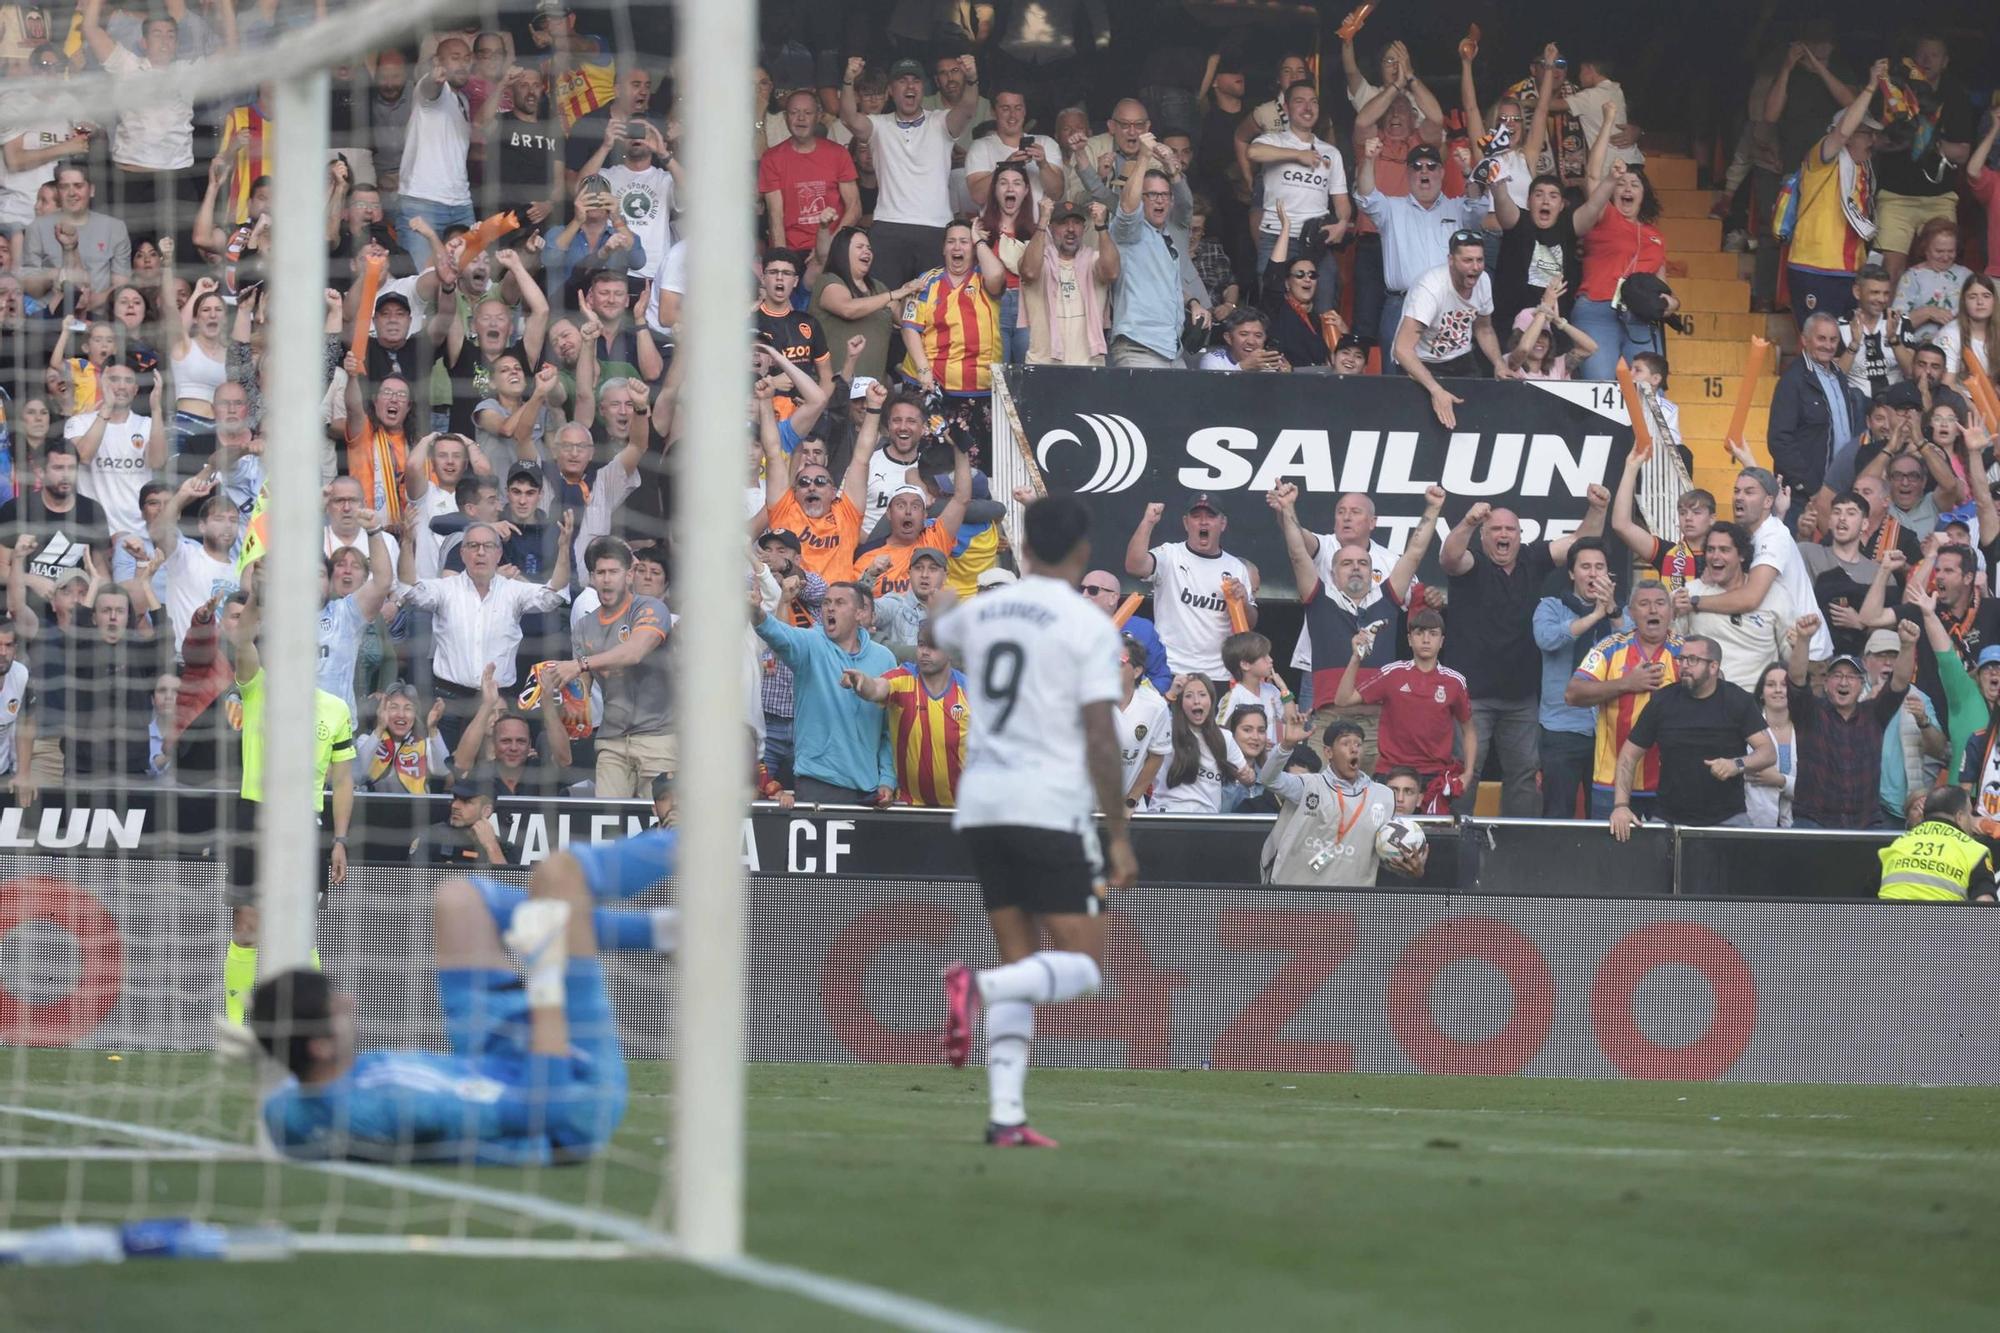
(1041, 664)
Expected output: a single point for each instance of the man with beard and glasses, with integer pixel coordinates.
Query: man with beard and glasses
(1707, 734)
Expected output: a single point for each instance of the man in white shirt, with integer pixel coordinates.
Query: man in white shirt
(1011, 142)
(1304, 174)
(476, 616)
(434, 181)
(1040, 657)
(643, 181)
(1774, 559)
(1599, 108)
(159, 136)
(31, 145)
(1750, 640)
(449, 458)
(118, 449)
(913, 150)
(1449, 310)
(198, 571)
(1190, 606)
(1145, 725)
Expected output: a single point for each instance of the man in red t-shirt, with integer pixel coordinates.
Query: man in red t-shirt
(807, 182)
(1420, 702)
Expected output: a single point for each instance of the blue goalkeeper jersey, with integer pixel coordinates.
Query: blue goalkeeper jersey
(416, 1106)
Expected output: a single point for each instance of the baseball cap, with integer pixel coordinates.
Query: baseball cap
(996, 577)
(1888, 641)
(524, 472)
(1424, 152)
(930, 553)
(908, 489)
(470, 789)
(1848, 659)
(551, 9)
(1202, 502)
(663, 785)
(1067, 211)
(1351, 340)
(1988, 656)
(905, 66)
(784, 536)
(862, 384)
(392, 298)
(1903, 395)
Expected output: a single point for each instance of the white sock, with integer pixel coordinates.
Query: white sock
(666, 929)
(1010, 1027)
(1048, 977)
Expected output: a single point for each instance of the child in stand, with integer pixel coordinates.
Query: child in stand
(1254, 679)
(1649, 372)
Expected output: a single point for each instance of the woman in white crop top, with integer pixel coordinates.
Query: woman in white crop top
(199, 359)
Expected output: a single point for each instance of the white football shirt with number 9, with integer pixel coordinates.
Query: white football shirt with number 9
(1034, 653)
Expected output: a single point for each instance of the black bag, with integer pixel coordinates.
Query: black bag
(1644, 298)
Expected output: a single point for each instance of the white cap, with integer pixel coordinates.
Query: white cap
(862, 384)
(907, 489)
(995, 577)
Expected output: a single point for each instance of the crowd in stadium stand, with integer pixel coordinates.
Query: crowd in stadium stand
(941, 189)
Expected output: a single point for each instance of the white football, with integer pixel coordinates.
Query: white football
(1399, 836)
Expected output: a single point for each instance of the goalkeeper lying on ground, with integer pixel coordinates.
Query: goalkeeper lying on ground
(535, 1072)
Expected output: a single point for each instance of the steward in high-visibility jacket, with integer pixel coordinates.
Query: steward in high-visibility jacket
(1939, 860)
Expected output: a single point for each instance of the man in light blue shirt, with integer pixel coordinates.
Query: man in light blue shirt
(1152, 294)
(1416, 230)
(1566, 628)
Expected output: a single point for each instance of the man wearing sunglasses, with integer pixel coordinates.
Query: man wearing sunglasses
(1158, 287)
(1417, 232)
(1709, 734)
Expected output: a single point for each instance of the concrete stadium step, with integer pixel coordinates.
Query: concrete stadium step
(1708, 421)
(1706, 356)
(1691, 235)
(1724, 296)
(1684, 203)
(1718, 266)
(1720, 326)
(1673, 172)
(1710, 390)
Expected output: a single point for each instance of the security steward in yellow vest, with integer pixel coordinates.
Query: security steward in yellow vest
(1941, 859)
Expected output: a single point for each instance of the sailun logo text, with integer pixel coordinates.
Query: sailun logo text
(1121, 452)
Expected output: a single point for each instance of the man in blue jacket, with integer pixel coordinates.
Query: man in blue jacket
(1814, 413)
(842, 753)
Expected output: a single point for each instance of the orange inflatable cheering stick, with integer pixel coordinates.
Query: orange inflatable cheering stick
(1352, 23)
(364, 310)
(1753, 370)
(1469, 48)
(484, 232)
(1127, 609)
(1635, 408)
(1237, 599)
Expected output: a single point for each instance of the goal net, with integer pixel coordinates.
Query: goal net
(341, 386)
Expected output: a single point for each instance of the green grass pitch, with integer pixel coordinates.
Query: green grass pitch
(1203, 1200)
